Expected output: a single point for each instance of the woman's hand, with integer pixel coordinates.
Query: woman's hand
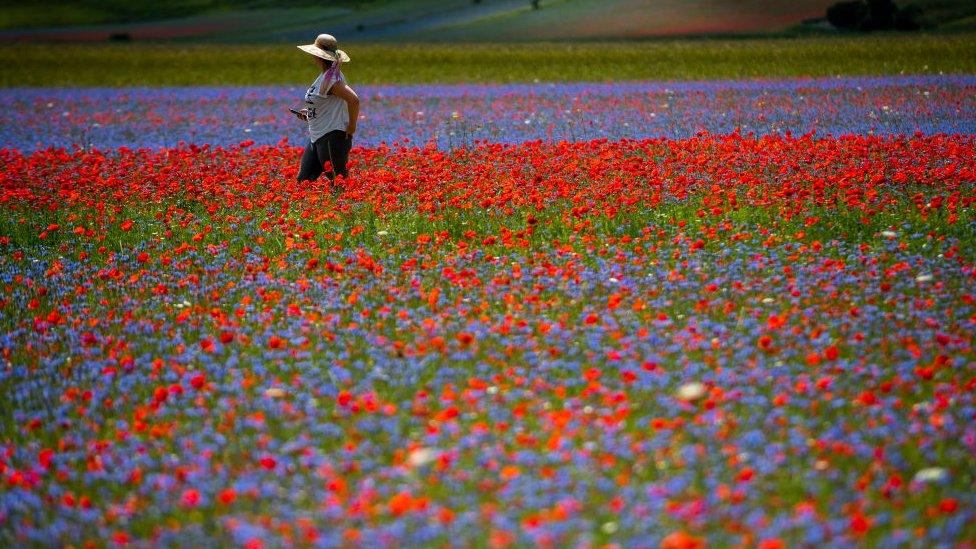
(350, 130)
(303, 114)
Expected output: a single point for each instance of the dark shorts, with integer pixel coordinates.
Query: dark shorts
(332, 147)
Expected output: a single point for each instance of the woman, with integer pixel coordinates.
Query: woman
(332, 110)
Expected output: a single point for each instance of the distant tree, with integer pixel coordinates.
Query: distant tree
(871, 15)
(881, 15)
(535, 4)
(848, 15)
(907, 18)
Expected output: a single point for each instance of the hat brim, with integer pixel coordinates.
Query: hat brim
(319, 52)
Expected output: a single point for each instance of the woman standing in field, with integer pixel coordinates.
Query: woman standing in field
(332, 108)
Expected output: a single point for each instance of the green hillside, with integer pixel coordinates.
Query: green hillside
(257, 21)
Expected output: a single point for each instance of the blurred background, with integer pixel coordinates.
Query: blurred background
(264, 21)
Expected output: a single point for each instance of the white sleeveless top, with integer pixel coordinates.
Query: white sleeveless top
(325, 112)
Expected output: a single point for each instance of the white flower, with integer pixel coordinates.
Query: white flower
(931, 474)
(609, 527)
(382, 233)
(275, 392)
(691, 391)
(923, 278)
(421, 457)
(889, 234)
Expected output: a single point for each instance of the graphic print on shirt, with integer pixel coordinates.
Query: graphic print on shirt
(326, 112)
(309, 98)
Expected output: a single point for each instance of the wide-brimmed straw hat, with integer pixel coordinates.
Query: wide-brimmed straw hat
(326, 47)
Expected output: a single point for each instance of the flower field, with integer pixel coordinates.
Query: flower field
(654, 332)
(453, 115)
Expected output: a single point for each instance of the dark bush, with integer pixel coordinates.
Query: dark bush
(848, 15)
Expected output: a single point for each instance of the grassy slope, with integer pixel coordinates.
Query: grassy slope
(349, 19)
(53, 13)
(561, 19)
(646, 18)
(949, 14)
(155, 65)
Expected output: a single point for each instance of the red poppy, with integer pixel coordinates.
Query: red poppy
(207, 345)
(682, 540)
(190, 498)
(227, 496)
(198, 381)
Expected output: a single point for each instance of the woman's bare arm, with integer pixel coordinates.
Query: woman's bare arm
(344, 92)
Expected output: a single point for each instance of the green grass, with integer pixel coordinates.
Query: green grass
(163, 65)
